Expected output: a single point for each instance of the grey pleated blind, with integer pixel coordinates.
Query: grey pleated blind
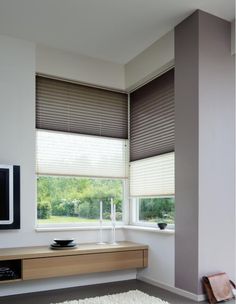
(152, 118)
(69, 107)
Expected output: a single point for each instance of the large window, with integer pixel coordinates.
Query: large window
(73, 200)
(81, 152)
(74, 173)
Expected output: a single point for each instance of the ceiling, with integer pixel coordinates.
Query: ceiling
(113, 30)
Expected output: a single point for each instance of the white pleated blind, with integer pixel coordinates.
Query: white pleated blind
(70, 154)
(153, 176)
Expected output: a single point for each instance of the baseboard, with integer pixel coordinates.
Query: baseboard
(23, 287)
(180, 292)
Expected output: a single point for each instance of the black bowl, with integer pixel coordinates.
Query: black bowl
(162, 226)
(63, 242)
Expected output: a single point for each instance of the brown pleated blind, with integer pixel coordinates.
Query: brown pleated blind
(69, 107)
(152, 118)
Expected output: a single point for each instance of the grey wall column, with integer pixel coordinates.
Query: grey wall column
(204, 150)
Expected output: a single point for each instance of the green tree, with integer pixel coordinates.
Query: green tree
(157, 209)
(44, 210)
(71, 196)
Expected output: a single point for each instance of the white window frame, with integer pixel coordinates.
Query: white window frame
(95, 225)
(86, 224)
(134, 212)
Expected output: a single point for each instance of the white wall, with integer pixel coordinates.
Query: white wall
(79, 68)
(151, 62)
(161, 255)
(65, 282)
(216, 149)
(204, 150)
(148, 64)
(17, 120)
(17, 137)
(18, 62)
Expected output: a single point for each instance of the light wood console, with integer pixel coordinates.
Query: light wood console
(42, 262)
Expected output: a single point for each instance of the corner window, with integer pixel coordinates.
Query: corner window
(152, 146)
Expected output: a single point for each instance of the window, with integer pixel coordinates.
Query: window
(151, 210)
(152, 174)
(74, 173)
(74, 200)
(152, 190)
(152, 118)
(81, 152)
(67, 154)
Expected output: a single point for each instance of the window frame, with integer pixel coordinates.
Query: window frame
(134, 214)
(113, 96)
(84, 224)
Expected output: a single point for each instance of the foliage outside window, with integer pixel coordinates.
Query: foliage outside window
(155, 209)
(67, 200)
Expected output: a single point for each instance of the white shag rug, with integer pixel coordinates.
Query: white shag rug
(130, 297)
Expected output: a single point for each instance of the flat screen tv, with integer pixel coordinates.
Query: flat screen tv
(9, 197)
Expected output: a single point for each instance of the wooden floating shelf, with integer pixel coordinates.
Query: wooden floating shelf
(43, 262)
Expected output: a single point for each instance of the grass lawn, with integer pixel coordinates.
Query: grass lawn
(66, 219)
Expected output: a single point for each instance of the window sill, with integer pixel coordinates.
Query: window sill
(73, 228)
(91, 228)
(149, 229)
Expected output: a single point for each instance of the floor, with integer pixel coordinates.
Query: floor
(57, 296)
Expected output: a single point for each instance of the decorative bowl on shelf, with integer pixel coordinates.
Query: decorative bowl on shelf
(63, 242)
(162, 226)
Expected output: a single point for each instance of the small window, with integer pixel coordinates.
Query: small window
(150, 211)
(73, 200)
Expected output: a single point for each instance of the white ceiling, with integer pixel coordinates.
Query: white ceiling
(113, 30)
